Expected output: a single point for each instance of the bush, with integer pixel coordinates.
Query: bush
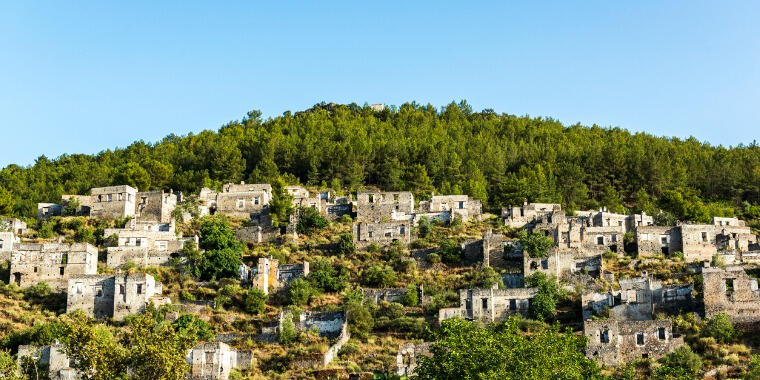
(451, 252)
(345, 219)
(720, 327)
(682, 363)
(535, 244)
(360, 320)
(218, 264)
(310, 220)
(378, 276)
(300, 292)
(544, 303)
(326, 277)
(254, 301)
(411, 298)
(406, 266)
(189, 323)
(484, 277)
(288, 333)
(433, 258)
(424, 227)
(346, 244)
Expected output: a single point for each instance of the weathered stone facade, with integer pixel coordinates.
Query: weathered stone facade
(7, 240)
(143, 243)
(613, 342)
(377, 206)
(492, 247)
(331, 325)
(528, 213)
(560, 264)
(46, 210)
(270, 275)
(698, 242)
(461, 206)
(409, 355)
(637, 299)
(236, 200)
(382, 233)
(53, 263)
(113, 296)
(52, 358)
(733, 292)
(384, 294)
(489, 305)
(16, 226)
(155, 206)
(214, 361)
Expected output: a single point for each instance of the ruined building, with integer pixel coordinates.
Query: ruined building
(143, 243)
(376, 206)
(51, 359)
(528, 213)
(733, 292)
(382, 233)
(560, 265)
(637, 299)
(489, 305)
(244, 201)
(16, 226)
(7, 240)
(698, 242)
(113, 296)
(409, 355)
(53, 263)
(461, 206)
(156, 206)
(112, 202)
(270, 275)
(613, 342)
(214, 361)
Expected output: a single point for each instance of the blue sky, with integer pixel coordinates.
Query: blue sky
(80, 77)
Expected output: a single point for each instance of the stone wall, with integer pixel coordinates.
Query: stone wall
(112, 202)
(489, 305)
(257, 234)
(376, 206)
(144, 244)
(14, 225)
(493, 249)
(155, 206)
(236, 200)
(270, 275)
(409, 355)
(733, 292)
(52, 357)
(459, 205)
(7, 239)
(52, 263)
(216, 360)
(385, 294)
(113, 296)
(382, 233)
(528, 213)
(658, 239)
(613, 342)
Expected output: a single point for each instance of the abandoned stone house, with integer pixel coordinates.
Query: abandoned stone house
(46, 210)
(156, 206)
(626, 223)
(51, 359)
(7, 240)
(17, 226)
(378, 206)
(382, 233)
(612, 342)
(242, 200)
(492, 248)
(409, 355)
(698, 242)
(269, 275)
(214, 361)
(461, 206)
(52, 263)
(384, 294)
(330, 325)
(143, 243)
(637, 299)
(528, 213)
(110, 202)
(731, 291)
(489, 305)
(559, 264)
(113, 296)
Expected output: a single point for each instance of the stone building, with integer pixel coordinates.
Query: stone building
(143, 243)
(698, 242)
(53, 263)
(52, 359)
(214, 361)
(385, 294)
(236, 200)
(17, 226)
(330, 325)
(7, 240)
(382, 233)
(270, 275)
(559, 264)
(113, 296)
(489, 305)
(626, 223)
(112, 202)
(378, 206)
(156, 206)
(733, 292)
(637, 299)
(461, 206)
(528, 213)
(409, 355)
(46, 210)
(492, 248)
(613, 342)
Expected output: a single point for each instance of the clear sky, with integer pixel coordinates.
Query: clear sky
(80, 77)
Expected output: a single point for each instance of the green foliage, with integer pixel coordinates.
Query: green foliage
(484, 277)
(254, 301)
(9, 370)
(281, 205)
(191, 325)
(346, 244)
(222, 258)
(544, 303)
(720, 327)
(288, 332)
(215, 234)
(682, 363)
(424, 227)
(535, 244)
(6, 201)
(218, 264)
(325, 276)
(134, 175)
(411, 298)
(40, 334)
(380, 276)
(300, 291)
(310, 220)
(433, 258)
(360, 319)
(753, 372)
(450, 252)
(685, 206)
(464, 350)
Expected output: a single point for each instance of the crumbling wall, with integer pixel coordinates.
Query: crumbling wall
(385, 294)
(52, 263)
(613, 342)
(409, 355)
(382, 233)
(155, 206)
(733, 292)
(376, 206)
(490, 305)
(658, 239)
(215, 361)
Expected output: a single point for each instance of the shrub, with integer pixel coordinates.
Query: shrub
(345, 219)
(424, 227)
(360, 320)
(189, 323)
(254, 301)
(682, 363)
(378, 276)
(451, 252)
(720, 327)
(410, 298)
(288, 333)
(346, 244)
(300, 292)
(433, 258)
(535, 244)
(484, 277)
(407, 266)
(310, 220)
(544, 303)
(326, 277)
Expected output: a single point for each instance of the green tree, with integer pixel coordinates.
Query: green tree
(464, 350)
(720, 327)
(346, 244)
(451, 252)
(424, 227)
(360, 320)
(300, 292)
(189, 325)
(134, 175)
(156, 350)
(327, 277)
(6, 202)
(310, 220)
(281, 205)
(544, 303)
(93, 350)
(535, 244)
(218, 264)
(9, 370)
(682, 363)
(378, 276)
(254, 301)
(215, 233)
